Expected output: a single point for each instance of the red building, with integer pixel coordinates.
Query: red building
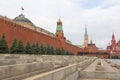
(23, 29)
(114, 48)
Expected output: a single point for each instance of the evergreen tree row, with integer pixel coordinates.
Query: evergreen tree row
(3, 45)
(17, 47)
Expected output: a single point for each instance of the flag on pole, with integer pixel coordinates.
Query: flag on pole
(22, 8)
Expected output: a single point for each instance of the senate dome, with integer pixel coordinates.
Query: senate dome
(22, 20)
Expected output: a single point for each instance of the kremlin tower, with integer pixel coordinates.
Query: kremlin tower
(86, 38)
(59, 33)
(90, 49)
(59, 30)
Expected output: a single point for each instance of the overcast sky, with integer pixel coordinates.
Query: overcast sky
(102, 17)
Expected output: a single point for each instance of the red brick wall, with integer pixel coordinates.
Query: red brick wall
(19, 32)
(72, 48)
(97, 55)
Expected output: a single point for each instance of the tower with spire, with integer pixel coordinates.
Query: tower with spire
(59, 33)
(59, 30)
(86, 38)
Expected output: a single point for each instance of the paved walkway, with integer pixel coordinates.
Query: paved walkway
(107, 67)
(92, 68)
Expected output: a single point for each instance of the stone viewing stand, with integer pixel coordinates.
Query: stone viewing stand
(56, 67)
(42, 67)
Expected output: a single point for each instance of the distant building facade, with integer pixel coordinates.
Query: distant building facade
(90, 49)
(113, 48)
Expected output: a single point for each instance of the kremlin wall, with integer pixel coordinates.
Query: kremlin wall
(23, 29)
